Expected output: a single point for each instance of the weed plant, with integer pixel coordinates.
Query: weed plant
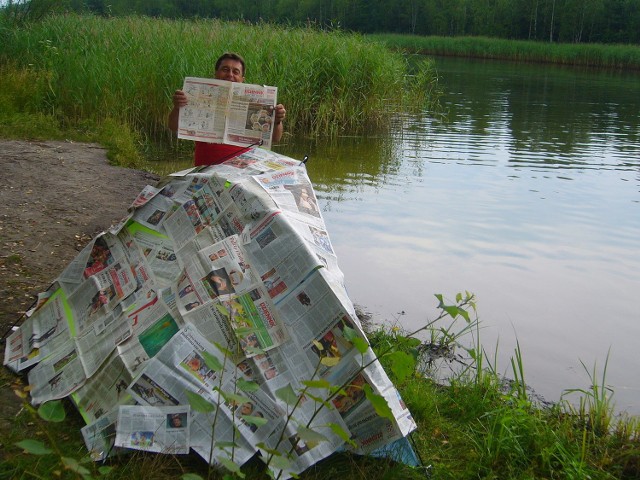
(479, 424)
(473, 426)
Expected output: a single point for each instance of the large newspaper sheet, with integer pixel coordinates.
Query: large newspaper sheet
(219, 279)
(220, 111)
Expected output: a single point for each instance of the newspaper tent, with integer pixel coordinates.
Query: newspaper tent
(220, 288)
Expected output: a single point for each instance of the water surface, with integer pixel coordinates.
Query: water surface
(528, 196)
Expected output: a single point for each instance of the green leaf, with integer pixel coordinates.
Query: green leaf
(317, 384)
(342, 433)
(212, 361)
(322, 401)
(225, 351)
(270, 451)
(336, 390)
(257, 421)
(280, 462)
(224, 445)
(73, 465)
(402, 365)
(244, 331)
(52, 411)
(361, 344)
(234, 398)
(349, 333)
(191, 476)
(330, 361)
(199, 403)
(231, 466)
(34, 447)
(355, 338)
(253, 350)
(413, 342)
(379, 403)
(223, 310)
(287, 395)
(105, 470)
(247, 386)
(452, 310)
(311, 437)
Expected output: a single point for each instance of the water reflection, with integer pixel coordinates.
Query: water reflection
(528, 196)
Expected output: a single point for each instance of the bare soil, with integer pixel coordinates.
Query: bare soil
(54, 198)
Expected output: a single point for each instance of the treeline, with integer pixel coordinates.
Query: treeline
(566, 21)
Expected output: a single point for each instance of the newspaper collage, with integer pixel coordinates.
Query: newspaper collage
(220, 111)
(219, 288)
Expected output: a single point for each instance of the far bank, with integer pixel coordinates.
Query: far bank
(593, 55)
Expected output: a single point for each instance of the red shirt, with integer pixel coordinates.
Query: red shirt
(215, 153)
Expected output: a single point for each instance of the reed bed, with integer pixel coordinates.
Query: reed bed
(127, 69)
(591, 55)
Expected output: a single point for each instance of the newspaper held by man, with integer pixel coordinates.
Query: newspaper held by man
(220, 111)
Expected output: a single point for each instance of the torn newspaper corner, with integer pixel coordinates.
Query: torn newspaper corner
(208, 310)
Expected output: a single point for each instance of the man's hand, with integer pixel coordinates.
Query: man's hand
(281, 113)
(278, 128)
(179, 99)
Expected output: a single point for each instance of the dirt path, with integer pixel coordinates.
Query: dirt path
(54, 197)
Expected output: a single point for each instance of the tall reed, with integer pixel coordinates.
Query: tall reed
(128, 68)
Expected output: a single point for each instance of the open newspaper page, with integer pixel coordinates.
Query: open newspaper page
(251, 115)
(220, 111)
(204, 117)
(221, 288)
(58, 375)
(104, 391)
(100, 436)
(44, 332)
(154, 429)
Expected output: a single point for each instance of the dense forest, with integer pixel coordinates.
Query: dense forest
(566, 21)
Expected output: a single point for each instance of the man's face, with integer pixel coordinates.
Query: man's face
(230, 70)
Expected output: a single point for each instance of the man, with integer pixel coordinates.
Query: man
(230, 67)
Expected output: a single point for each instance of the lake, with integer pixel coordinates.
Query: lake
(528, 195)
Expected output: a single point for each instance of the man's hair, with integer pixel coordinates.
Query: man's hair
(230, 56)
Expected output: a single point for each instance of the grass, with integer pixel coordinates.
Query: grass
(71, 74)
(479, 426)
(475, 425)
(626, 57)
